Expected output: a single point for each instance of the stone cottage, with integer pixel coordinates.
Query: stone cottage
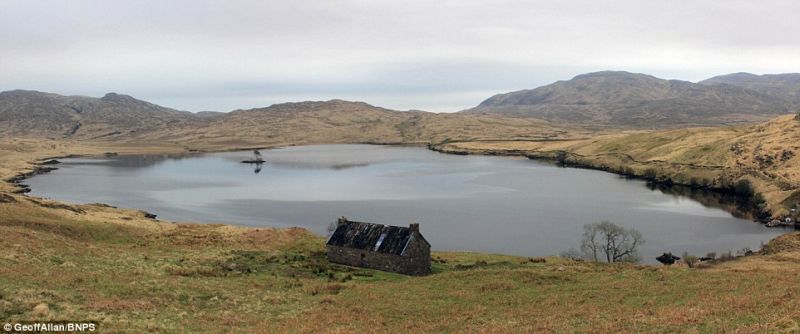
(383, 247)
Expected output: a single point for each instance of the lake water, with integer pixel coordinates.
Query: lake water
(475, 203)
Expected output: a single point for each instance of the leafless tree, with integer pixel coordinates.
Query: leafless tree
(332, 227)
(609, 241)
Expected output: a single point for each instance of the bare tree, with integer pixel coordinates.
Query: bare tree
(609, 241)
(591, 243)
(332, 228)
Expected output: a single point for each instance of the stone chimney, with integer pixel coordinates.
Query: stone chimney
(414, 227)
(341, 221)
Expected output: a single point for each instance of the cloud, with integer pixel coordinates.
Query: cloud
(443, 55)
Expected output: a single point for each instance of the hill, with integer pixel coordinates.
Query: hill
(116, 117)
(784, 86)
(637, 100)
(338, 121)
(32, 113)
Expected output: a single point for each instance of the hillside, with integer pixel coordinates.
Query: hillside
(635, 100)
(338, 121)
(121, 118)
(32, 113)
(784, 86)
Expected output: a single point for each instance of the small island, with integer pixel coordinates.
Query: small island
(257, 159)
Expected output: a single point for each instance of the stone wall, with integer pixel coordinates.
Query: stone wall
(417, 259)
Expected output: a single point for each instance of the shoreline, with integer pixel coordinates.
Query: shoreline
(42, 166)
(762, 216)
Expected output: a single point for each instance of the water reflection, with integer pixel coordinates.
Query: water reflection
(737, 206)
(476, 203)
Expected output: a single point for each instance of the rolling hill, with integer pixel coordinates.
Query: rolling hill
(635, 100)
(784, 86)
(338, 121)
(32, 113)
(601, 99)
(116, 117)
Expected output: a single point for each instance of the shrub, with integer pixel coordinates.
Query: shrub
(561, 158)
(744, 188)
(650, 174)
(627, 171)
(572, 254)
(759, 200)
(745, 252)
(690, 260)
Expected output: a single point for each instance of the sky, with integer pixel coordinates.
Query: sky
(440, 56)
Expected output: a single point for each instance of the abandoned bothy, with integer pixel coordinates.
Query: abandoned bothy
(384, 247)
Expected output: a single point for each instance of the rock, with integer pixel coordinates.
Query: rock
(7, 198)
(50, 162)
(41, 310)
(774, 223)
(667, 259)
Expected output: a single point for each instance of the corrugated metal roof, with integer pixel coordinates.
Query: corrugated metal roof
(367, 236)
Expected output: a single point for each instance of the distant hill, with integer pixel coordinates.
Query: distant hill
(120, 117)
(639, 100)
(785, 86)
(339, 121)
(209, 114)
(45, 114)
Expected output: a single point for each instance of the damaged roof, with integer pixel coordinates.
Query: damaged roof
(372, 237)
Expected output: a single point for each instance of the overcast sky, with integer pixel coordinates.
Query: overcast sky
(430, 55)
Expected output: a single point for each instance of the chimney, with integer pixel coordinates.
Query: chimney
(341, 221)
(414, 227)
